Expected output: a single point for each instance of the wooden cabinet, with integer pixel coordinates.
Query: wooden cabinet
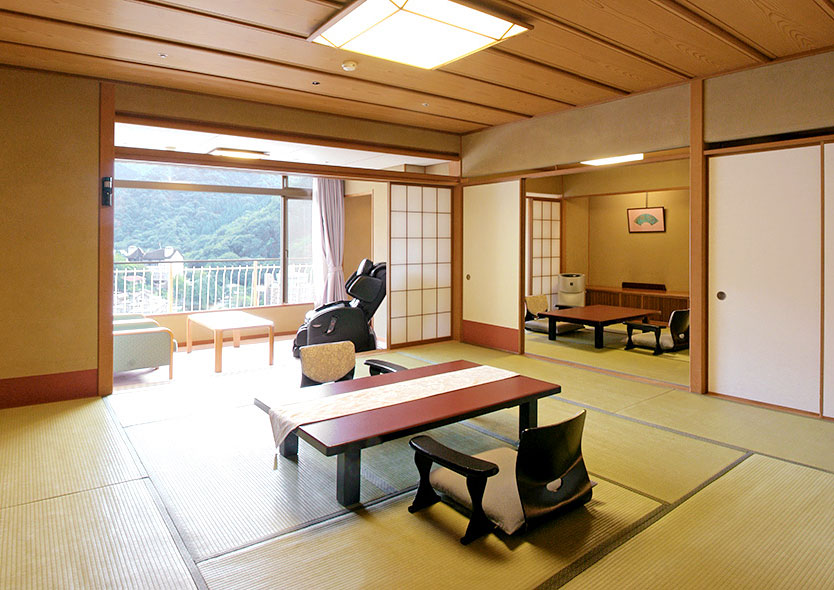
(665, 301)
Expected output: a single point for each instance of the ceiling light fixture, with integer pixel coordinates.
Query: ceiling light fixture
(422, 33)
(349, 65)
(238, 153)
(613, 160)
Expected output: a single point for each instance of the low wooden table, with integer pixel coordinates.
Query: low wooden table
(221, 321)
(346, 436)
(597, 316)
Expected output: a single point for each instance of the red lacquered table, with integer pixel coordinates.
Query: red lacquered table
(346, 436)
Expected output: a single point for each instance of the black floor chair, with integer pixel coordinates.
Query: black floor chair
(505, 488)
(347, 320)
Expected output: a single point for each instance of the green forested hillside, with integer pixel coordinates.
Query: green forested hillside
(203, 226)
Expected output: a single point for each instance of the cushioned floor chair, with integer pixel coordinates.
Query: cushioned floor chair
(510, 489)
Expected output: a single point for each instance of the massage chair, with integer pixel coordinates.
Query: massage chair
(347, 320)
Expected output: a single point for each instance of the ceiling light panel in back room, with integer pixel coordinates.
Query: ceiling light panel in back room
(422, 33)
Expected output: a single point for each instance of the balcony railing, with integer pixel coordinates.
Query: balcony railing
(199, 285)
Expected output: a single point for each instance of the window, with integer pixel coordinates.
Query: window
(190, 238)
(544, 248)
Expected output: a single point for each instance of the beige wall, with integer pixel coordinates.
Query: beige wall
(379, 199)
(646, 122)
(359, 223)
(49, 236)
(794, 95)
(642, 177)
(146, 100)
(614, 255)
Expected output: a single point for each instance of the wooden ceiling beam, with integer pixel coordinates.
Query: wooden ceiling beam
(713, 29)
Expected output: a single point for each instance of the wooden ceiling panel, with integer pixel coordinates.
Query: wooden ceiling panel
(780, 27)
(499, 67)
(578, 53)
(108, 69)
(298, 17)
(568, 50)
(650, 30)
(93, 42)
(164, 23)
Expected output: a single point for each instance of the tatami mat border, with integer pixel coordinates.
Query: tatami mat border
(593, 556)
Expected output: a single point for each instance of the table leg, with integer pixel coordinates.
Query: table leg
(528, 416)
(551, 328)
(236, 338)
(598, 336)
(347, 477)
(187, 335)
(271, 345)
(289, 446)
(218, 351)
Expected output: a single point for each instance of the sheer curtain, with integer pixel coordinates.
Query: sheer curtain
(328, 240)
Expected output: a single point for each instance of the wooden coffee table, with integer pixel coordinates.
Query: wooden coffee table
(221, 321)
(597, 316)
(346, 436)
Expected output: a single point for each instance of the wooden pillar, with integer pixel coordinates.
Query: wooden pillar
(698, 240)
(107, 122)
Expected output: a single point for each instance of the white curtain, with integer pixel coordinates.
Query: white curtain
(328, 240)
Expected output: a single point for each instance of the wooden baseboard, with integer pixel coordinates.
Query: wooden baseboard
(41, 389)
(489, 336)
(752, 402)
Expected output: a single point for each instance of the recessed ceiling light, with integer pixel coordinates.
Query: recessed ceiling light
(349, 65)
(422, 33)
(315, 82)
(163, 55)
(238, 153)
(425, 104)
(614, 160)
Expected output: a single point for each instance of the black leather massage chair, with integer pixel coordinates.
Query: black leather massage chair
(347, 320)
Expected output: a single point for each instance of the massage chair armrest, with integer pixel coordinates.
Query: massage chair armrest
(458, 462)
(378, 367)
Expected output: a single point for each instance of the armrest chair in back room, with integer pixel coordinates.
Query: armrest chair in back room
(537, 304)
(141, 343)
(676, 336)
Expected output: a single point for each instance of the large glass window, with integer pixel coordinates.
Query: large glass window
(187, 242)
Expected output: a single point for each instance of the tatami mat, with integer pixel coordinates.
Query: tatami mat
(112, 537)
(52, 449)
(789, 436)
(748, 529)
(387, 547)
(578, 384)
(215, 473)
(578, 347)
(651, 460)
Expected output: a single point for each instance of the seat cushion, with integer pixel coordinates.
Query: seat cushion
(541, 326)
(647, 340)
(502, 503)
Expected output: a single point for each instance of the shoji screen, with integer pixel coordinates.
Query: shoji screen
(544, 248)
(828, 380)
(764, 277)
(421, 263)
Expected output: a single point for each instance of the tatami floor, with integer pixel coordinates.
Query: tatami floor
(170, 484)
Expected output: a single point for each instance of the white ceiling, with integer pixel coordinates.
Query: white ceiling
(198, 142)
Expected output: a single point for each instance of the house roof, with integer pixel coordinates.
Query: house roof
(578, 53)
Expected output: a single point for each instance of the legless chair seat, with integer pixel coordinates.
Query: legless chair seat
(141, 343)
(335, 361)
(654, 336)
(504, 488)
(537, 304)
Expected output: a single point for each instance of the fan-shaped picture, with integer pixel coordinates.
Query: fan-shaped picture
(646, 219)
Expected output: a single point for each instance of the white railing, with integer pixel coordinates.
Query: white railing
(198, 285)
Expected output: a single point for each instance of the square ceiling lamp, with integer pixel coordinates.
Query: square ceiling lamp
(422, 33)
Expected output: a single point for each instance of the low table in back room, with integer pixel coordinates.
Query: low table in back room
(596, 316)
